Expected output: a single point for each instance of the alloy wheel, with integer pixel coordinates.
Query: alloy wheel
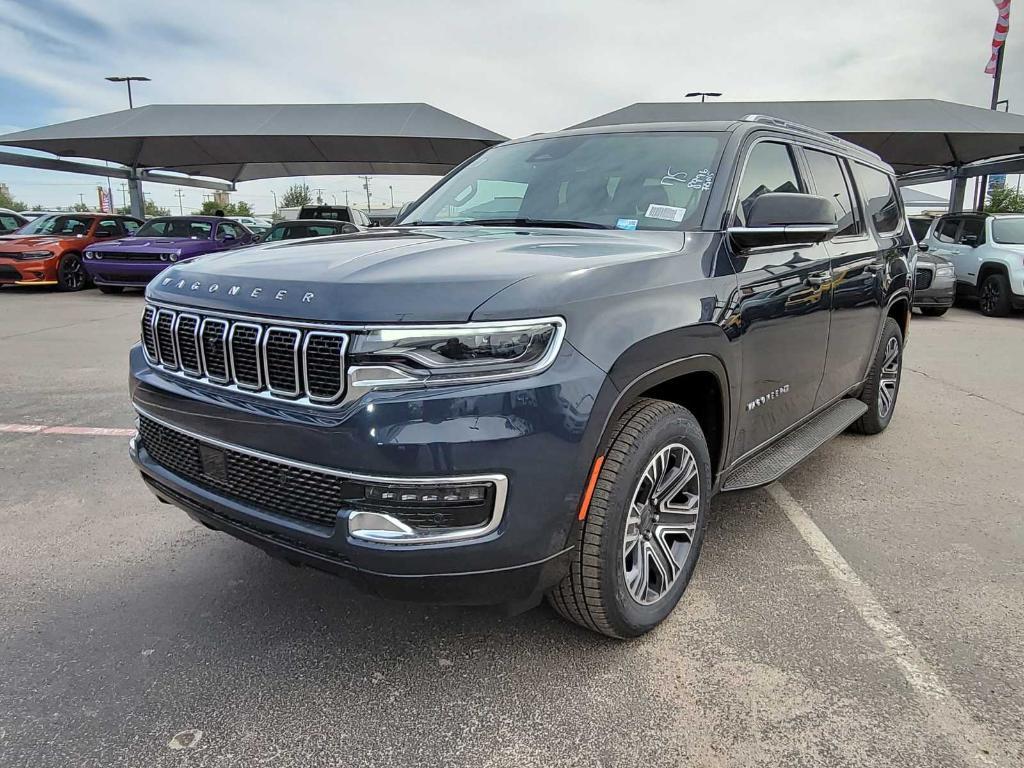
(890, 377)
(989, 297)
(661, 524)
(72, 273)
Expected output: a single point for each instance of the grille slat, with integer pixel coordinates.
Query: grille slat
(148, 334)
(187, 334)
(273, 360)
(126, 256)
(165, 339)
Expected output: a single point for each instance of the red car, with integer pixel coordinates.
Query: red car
(48, 250)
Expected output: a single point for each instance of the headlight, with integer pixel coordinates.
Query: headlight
(395, 357)
(946, 271)
(35, 254)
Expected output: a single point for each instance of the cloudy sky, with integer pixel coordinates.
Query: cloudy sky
(515, 68)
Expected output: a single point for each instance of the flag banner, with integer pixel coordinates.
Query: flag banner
(999, 38)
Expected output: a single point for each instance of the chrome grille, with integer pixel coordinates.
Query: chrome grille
(148, 334)
(272, 359)
(186, 333)
(922, 278)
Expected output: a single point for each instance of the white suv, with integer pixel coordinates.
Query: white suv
(987, 251)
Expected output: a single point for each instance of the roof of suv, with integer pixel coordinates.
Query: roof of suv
(749, 123)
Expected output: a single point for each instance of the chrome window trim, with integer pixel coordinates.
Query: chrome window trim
(173, 366)
(342, 351)
(295, 360)
(195, 342)
(377, 536)
(256, 349)
(224, 349)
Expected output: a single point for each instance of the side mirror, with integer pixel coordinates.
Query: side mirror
(786, 218)
(971, 241)
(348, 229)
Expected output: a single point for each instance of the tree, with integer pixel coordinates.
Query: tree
(241, 208)
(80, 208)
(7, 200)
(296, 196)
(1005, 200)
(151, 210)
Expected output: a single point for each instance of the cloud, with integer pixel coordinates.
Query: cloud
(516, 68)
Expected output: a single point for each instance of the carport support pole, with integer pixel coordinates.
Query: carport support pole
(138, 202)
(957, 194)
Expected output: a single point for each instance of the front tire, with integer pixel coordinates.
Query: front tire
(934, 311)
(640, 540)
(994, 296)
(71, 274)
(883, 384)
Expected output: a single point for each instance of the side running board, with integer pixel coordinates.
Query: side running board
(776, 460)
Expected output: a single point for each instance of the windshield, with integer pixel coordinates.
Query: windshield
(57, 225)
(611, 180)
(1008, 231)
(196, 229)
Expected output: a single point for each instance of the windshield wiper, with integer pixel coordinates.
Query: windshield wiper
(521, 222)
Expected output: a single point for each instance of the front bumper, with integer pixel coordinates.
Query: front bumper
(123, 273)
(35, 272)
(538, 433)
(940, 291)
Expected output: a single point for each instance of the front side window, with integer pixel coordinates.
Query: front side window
(769, 168)
(946, 230)
(8, 223)
(880, 198)
(228, 230)
(973, 232)
(652, 181)
(183, 227)
(131, 226)
(1009, 231)
(57, 225)
(830, 183)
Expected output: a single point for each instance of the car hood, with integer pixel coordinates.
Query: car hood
(426, 274)
(155, 244)
(30, 242)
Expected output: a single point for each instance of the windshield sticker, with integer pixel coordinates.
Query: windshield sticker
(702, 181)
(671, 178)
(626, 224)
(666, 212)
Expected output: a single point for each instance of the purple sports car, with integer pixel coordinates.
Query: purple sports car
(133, 261)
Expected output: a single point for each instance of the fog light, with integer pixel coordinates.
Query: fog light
(440, 494)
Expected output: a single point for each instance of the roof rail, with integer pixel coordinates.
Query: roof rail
(807, 130)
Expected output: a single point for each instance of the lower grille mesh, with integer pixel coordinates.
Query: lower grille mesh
(922, 279)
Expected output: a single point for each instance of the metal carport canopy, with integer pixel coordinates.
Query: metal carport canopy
(248, 141)
(909, 134)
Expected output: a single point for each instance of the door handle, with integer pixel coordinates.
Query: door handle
(818, 279)
(874, 267)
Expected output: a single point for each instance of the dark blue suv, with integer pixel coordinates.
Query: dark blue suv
(535, 382)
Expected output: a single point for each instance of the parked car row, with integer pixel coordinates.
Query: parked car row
(75, 250)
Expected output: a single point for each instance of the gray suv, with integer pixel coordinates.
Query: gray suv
(534, 384)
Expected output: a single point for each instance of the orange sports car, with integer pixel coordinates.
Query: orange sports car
(48, 250)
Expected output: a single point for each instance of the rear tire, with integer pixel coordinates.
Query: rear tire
(639, 543)
(71, 274)
(934, 311)
(111, 288)
(883, 384)
(994, 296)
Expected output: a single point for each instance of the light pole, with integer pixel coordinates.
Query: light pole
(275, 200)
(128, 80)
(391, 189)
(703, 95)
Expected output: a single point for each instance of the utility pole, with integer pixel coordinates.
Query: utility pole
(179, 194)
(319, 196)
(81, 199)
(366, 186)
(124, 195)
(275, 200)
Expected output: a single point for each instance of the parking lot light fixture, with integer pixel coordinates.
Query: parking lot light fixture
(703, 95)
(128, 79)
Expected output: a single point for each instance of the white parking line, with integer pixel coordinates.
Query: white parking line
(40, 429)
(974, 741)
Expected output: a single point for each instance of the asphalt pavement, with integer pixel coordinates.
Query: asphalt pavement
(866, 611)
